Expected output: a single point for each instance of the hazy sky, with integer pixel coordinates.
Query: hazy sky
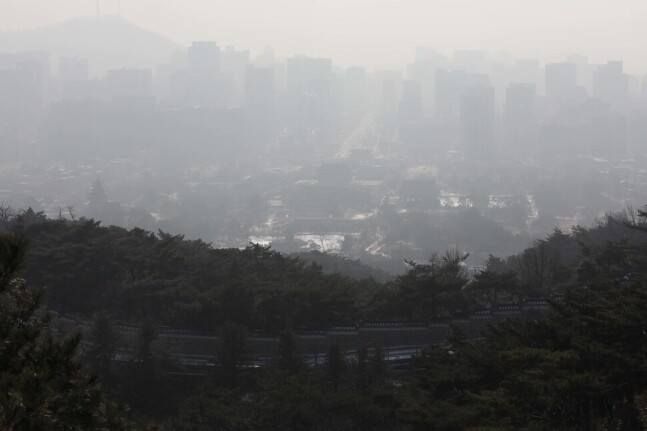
(377, 33)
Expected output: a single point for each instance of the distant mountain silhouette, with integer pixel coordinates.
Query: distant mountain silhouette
(109, 42)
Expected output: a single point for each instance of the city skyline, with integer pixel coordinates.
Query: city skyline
(321, 152)
(358, 33)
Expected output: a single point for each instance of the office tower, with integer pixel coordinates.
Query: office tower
(266, 59)
(232, 69)
(308, 91)
(34, 69)
(633, 86)
(260, 104)
(73, 79)
(355, 91)
(520, 102)
(610, 84)
(449, 87)
(233, 61)
(520, 117)
(411, 103)
(471, 61)
(561, 81)
(24, 92)
(129, 84)
(388, 87)
(203, 58)
(423, 70)
(477, 120)
(584, 71)
(72, 69)
(202, 84)
(12, 110)
(259, 88)
(604, 132)
(528, 70)
(302, 71)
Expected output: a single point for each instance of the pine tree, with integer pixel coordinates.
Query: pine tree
(335, 366)
(43, 385)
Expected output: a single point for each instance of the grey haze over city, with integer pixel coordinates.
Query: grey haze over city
(378, 130)
(373, 33)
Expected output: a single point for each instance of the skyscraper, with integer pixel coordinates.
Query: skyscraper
(308, 90)
(129, 84)
(203, 85)
(477, 120)
(611, 84)
(520, 117)
(561, 80)
(203, 58)
(411, 103)
(354, 91)
(72, 69)
(259, 103)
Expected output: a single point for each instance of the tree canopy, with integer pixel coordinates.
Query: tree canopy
(43, 384)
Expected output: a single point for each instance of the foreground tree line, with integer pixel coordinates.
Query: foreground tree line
(43, 384)
(583, 366)
(135, 275)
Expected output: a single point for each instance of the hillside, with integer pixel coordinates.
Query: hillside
(590, 351)
(334, 264)
(101, 40)
(136, 275)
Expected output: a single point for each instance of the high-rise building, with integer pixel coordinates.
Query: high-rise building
(610, 84)
(477, 117)
(303, 70)
(129, 84)
(259, 87)
(423, 70)
(528, 70)
(232, 68)
(260, 103)
(520, 116)
(203, 58)
(411, 103)
(354, 91)
(308, 91)
(520, 102)
(72, 69)
(471, 60)
(388, 88)
(73, 79)
(24, 92)
(561, 80)
(449, 87)
(643, 89)
(202, 84)
(584, 71)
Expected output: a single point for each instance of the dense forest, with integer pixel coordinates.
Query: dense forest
(581, 366)
(43, 384)
(136, 275)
